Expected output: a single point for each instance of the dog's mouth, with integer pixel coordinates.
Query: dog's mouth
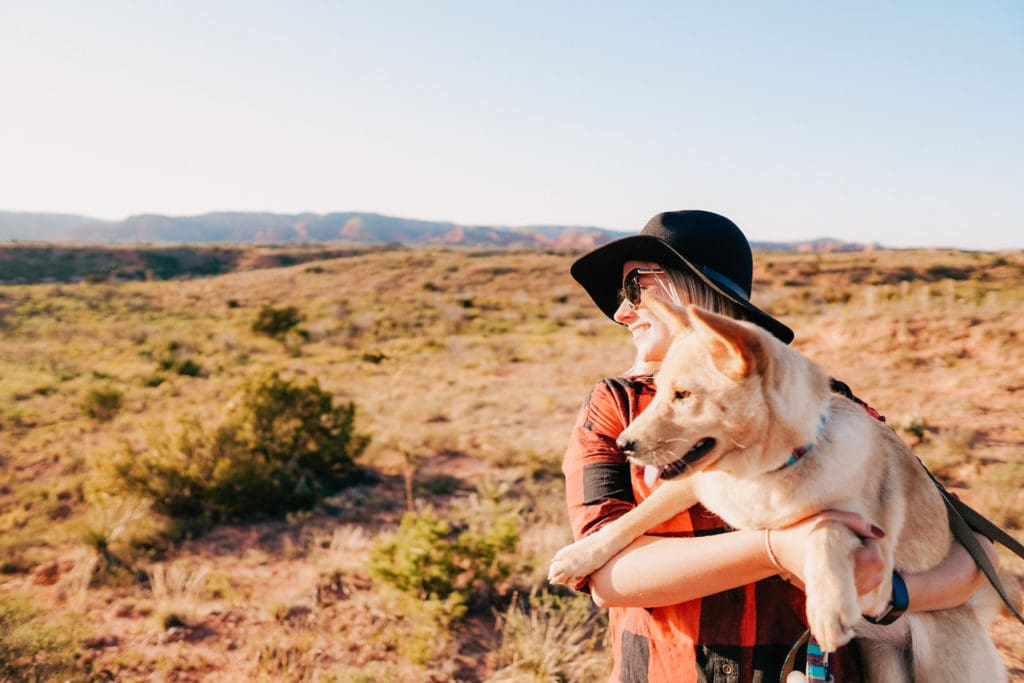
(689, 459)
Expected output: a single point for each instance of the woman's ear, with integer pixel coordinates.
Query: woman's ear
(675, 317)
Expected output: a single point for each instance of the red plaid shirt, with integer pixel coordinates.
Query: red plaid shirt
(742, 634)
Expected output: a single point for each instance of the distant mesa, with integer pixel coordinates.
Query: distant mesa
(241, 227)
(820, 245)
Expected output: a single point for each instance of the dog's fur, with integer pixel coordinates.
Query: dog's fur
(758, 400)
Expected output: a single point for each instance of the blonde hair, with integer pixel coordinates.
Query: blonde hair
(683, 288)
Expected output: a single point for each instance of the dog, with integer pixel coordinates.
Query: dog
(732, 404)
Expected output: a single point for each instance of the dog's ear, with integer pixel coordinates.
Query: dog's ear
(675, 317)
(735, 349)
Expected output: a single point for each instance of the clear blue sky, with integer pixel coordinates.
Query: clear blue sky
(897, 122)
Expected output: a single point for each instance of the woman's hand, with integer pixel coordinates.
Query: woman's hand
(790, 546)
(946, 585)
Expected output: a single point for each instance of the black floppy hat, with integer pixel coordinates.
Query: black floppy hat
(705, 244)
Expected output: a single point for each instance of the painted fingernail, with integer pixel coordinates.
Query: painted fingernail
(877, 531)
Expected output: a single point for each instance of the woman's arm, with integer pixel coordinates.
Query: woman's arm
(655, 571)
(950, 583)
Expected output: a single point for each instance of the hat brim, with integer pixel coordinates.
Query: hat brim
(599, 272)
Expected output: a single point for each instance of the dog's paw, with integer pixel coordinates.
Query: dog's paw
(876, 602)
(559, 573)
(831, 624)
(571, 564)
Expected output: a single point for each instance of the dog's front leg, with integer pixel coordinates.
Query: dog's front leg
(587, 555)
(832, 605)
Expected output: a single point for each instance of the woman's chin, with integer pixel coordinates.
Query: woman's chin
(651, 353)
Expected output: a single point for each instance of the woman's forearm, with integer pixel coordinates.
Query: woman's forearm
(951, 582)
(655, 571)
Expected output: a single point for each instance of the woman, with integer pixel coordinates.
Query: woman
(693, 600)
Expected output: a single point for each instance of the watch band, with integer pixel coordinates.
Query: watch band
(898, 603)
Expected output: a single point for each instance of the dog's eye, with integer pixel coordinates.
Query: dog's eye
(681, 394)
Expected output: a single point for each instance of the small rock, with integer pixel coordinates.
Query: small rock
(46, 574)
(100, 642)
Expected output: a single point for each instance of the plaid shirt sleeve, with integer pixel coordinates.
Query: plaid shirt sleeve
(597, 480)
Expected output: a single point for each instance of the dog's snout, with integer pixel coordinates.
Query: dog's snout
(627, 446)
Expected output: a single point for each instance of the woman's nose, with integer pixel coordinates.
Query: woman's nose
(625, 312)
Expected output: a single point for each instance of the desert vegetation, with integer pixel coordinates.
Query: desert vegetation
(347, 469)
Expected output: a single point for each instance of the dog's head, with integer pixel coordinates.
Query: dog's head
(713, 396)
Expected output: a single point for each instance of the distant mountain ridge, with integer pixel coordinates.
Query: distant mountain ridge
(348, 227)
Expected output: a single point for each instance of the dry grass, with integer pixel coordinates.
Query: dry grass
(468, 369)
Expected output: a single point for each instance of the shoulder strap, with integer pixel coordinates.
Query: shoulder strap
(963, 522)
(843, 389)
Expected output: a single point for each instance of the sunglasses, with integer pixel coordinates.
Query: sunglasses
(631, 286)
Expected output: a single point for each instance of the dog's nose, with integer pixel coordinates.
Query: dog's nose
(627, 446)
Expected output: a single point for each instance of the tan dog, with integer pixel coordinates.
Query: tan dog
(731, 406)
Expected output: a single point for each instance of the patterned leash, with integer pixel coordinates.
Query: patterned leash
(819, 664)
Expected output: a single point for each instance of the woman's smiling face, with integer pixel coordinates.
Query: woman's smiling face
(650, 335)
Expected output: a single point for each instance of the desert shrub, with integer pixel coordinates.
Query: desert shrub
(279, 661)
(117, 530)
(375, 357)
(153, 380)
(440, 485)
(177, 589)
(189, 368)
(31, 650)
(103, 402)
(433, 559)
(1000, 494)
(172, 358)
(14, 555)
(915, 425)
(281, 448)
(428, 628)
(276, 322)
(551, 637)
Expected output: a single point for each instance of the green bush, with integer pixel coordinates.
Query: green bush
(276, 322)
(429, 560)
(31, 650)
(282, 448)
(102, 403)
(189, 368)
